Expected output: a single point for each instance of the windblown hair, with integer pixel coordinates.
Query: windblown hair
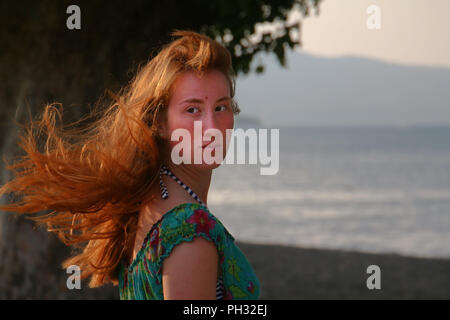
(91, 181)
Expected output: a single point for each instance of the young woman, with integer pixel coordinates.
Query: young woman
(114, 190)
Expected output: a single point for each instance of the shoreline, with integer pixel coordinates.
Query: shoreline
(297, 273)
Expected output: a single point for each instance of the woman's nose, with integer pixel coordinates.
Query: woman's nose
(209, 121)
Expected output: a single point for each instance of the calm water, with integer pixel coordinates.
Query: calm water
(366, 189)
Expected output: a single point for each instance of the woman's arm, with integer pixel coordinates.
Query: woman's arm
(190, 271)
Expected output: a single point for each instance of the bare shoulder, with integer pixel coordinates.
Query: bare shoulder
(190, 271)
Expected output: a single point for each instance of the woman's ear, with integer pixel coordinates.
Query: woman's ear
(161, 131)
(160, 124)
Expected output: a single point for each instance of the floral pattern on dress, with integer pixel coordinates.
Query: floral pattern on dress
(142, 280)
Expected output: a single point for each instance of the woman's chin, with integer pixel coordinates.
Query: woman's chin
(206, 166)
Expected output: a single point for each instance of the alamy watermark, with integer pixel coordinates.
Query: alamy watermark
(374, 280)
(74, 20)
(374, 20)
(257, 151)
(74, 280)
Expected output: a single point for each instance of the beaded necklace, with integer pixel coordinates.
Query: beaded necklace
(165, 194)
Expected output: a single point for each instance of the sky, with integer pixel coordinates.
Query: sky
(415, 32)
(347, 74)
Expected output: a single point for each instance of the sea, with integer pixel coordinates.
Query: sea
(380, 189)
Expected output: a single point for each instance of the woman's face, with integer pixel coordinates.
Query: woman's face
(206, 99)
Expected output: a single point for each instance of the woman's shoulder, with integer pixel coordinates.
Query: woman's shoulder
(184, 223)
(190, 220)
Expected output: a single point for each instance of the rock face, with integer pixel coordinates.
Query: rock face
(31, 257)
(41, 62)
(38, 65)
(30, 261)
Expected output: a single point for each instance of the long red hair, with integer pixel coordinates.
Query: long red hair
(92, 180)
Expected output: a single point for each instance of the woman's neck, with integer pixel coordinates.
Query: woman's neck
(151, 211)
(198, 180)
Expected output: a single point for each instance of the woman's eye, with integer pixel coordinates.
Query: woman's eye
(222, 106)
(192, 109)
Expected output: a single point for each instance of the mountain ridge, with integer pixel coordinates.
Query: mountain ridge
(345, 90)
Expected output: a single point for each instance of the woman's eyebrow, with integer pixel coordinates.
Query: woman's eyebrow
(192, 100)
(223, 99)
(197, 100)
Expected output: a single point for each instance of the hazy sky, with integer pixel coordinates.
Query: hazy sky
(347, 74)
(412, 31)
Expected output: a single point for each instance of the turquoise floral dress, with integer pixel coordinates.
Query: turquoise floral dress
(142, 279)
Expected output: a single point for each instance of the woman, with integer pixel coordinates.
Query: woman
(115, 192)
